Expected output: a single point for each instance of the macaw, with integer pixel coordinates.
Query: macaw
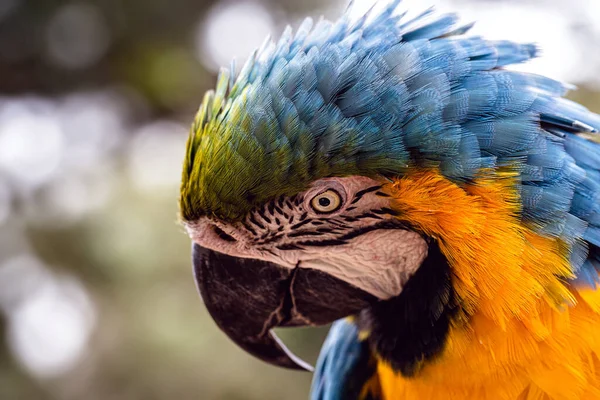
(391, 174)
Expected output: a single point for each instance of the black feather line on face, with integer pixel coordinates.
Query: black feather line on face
(223, 235)
(271, 207)
(255, 222)
(249, 228)
(361, 193)
(300, 224)
(289, 246)
(340, 224)
(335, 226)
(344, 238)
(368, 215)
(340, 227)
(305, 233)
(274, 212)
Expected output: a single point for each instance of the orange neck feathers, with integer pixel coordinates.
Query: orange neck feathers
(524, 332)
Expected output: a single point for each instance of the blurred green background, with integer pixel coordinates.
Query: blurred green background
(97, 299)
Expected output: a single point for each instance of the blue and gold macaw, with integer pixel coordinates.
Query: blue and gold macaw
(392, 174)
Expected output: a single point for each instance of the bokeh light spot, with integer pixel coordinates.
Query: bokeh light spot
(77, 36)
(31, 142)
(5, 201)
(232, 30)
(50, 318)
(155, 155)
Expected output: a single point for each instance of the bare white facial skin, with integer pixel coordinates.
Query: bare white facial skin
(361, 242)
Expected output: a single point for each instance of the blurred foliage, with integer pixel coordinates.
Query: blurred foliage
(144, 36)
(151, 48)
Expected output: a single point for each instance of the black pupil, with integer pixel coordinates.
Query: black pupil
(324, 202)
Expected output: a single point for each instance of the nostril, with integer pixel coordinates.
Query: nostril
(223, 235)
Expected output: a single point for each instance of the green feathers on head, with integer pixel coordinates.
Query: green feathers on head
(234, 161)
(272, 133)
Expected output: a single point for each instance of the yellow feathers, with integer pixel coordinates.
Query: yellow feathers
(524, 333)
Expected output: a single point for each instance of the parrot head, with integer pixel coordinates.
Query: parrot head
(318, 255)
(380, 168)
(294, 230)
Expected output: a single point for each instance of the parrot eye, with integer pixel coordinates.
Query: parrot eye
(326, 202)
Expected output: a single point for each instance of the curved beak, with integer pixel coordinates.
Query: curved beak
(247, 298)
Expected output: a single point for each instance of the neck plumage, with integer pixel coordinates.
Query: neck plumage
(552, 354)
(411, 329)
(499, 319)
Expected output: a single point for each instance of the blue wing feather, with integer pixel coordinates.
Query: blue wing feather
(343, 366)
